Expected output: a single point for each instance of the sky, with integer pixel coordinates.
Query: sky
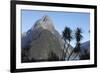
(60, 21)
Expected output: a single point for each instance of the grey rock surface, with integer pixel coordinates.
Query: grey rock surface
(42, 39)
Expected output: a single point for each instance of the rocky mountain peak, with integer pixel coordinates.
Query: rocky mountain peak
(41, 40)
(46, 18)
(45, 22)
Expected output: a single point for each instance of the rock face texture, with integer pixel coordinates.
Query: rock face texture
(45, 23)
(42, 42)
(46, 43)
(85, 50)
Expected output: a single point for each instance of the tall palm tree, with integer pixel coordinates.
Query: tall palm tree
(67, 36)
(78, 37)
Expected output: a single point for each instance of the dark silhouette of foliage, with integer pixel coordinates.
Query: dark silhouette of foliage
(24, 55)
(78, 34)
(67, 36)
(77, 48)
(52, 57)
(78, 37)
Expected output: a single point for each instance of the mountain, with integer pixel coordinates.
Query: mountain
(46, 43)
(42, 41)
(84, 53)
(85, 50)
(45, 23)
(85, 46)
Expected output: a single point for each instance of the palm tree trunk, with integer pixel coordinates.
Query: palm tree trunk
(68, 47)
(70, 54)
(64, 50)
(75, 56)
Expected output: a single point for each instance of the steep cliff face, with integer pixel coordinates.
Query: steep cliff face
(40, 40)
(43, 45)
(85, 50)
(45, 23)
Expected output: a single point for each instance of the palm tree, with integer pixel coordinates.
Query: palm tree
(78, 37)
(67, 36)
